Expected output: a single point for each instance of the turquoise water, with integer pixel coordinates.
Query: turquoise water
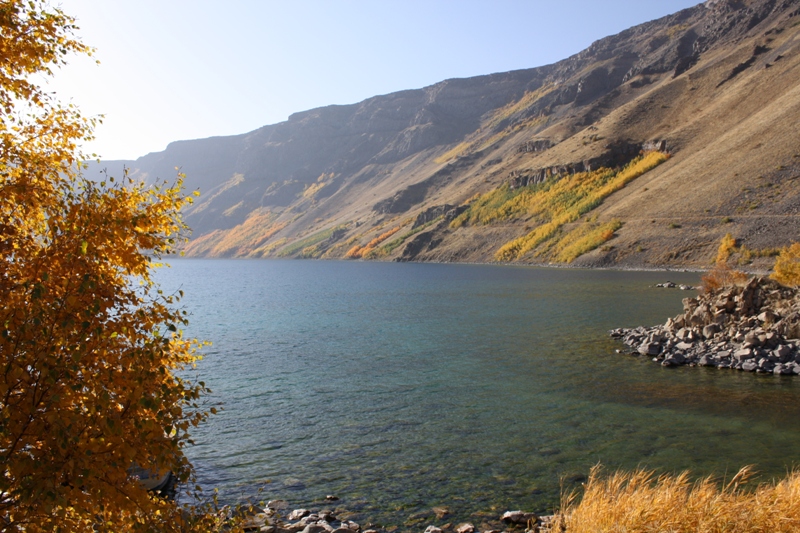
(398, 387)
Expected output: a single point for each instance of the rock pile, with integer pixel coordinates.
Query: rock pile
(305, 521)
(755, 328)
(299, 521)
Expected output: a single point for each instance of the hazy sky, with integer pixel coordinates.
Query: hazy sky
(180, 69)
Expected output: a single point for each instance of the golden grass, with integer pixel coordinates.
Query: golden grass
(453, 153)
(639, 502)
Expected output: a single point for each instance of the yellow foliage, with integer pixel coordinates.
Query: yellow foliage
(787, 266)
(722, 275)
(584, 239)
(726, 247)
(243, 240)
(357, 252)
(354, 252)
(90, 347)
(553, 203)
(639, 501)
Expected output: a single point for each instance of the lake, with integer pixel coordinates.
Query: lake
(483, 388)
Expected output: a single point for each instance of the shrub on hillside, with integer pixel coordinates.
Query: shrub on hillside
(787, 266)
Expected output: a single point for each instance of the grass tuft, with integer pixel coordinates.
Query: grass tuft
(639, 501)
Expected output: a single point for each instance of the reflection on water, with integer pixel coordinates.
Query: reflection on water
(398, 387)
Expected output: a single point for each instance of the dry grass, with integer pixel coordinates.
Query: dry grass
(639, 502)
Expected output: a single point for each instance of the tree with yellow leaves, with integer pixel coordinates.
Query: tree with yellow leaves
(91, 351)
(787, 265)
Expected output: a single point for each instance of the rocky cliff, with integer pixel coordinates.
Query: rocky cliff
(402, 176)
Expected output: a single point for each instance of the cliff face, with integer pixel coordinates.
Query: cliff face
(715, 85)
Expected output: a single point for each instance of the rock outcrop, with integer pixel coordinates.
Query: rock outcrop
(753, 327)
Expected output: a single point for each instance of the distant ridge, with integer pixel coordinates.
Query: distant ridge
(717, 86)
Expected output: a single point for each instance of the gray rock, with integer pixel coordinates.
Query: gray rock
(466, 527)
(767, 317)
(743, 354)
(256, 522)
(314, 528)
(710, 330)
(297, 514)
(518, 517)
(722, 354)
(433, 529)
(327, 516)
(278, 505)
(650, 348)
(705, 361)
(749, 366)
(751, 340)
(782, 352)
(783, 370)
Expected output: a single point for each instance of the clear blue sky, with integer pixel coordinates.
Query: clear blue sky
(181, 69)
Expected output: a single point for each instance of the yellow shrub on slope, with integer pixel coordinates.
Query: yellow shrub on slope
(787, 265)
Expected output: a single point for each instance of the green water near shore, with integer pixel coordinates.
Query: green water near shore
(398, 387)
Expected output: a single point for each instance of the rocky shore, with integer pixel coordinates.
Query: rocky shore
(272, 520)
(753, 327)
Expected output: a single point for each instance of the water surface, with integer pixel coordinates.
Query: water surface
(398, 387)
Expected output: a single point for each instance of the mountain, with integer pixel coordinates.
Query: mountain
(643, 150)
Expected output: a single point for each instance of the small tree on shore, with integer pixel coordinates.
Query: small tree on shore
(90, 348)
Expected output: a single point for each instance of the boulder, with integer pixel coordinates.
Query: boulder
(278, 505)
(433, 529)
(710, 330)
(314, 528)
(749, 366)
(768, 317)
(297, 514)
(466, 527)
(743, 353)
(650, 348)
(518, 517)
(782, 352)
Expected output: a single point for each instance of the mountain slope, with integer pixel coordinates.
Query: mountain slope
(403, 176)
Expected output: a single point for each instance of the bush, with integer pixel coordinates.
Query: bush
(787, 266)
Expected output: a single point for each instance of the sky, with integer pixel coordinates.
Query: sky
(187, 69)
